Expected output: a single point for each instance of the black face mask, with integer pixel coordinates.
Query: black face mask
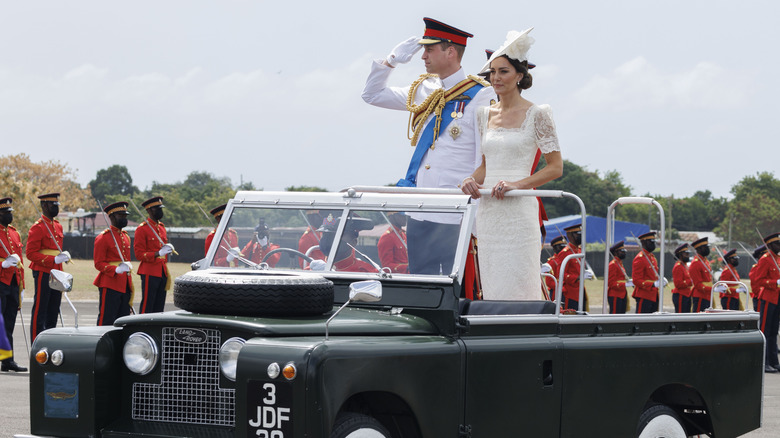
(734, 261)
(649, 245)
(621, 254)
(156, 213)
(121, 221)
(703, 251)
(577, 239)
(6, 218)
(685, 258)
(53, 210)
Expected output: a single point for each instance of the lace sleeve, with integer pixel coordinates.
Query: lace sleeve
(546, 137)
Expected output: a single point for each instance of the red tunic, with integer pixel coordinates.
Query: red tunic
(13, 242)
(702, 278)
(255, 252)
(392, 251)
(146, 247)
(644, 276)
(755, 289)
(41, 248)
(220, 258)
(105, 254)
(571, 277)
(554, 266)
(352, 264)
(683, 284)
(766, 277)
(308, 239)
(617, 279)
(730, 274)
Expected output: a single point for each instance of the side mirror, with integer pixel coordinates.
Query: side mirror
(369, 291)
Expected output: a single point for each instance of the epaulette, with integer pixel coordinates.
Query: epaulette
(105, 231)
(142, 224)
(479, 80)
(640, 255)
(387, 231)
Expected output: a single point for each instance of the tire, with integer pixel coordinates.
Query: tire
(660, 421)
(253, 294)
(353, 425)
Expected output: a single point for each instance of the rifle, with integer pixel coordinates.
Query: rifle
(154, 230)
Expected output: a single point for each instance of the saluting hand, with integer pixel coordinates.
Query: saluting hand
(403, 52)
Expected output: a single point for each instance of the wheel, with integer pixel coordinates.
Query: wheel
(353, 425)
(253, 293)
(660, 421)
(290, 250)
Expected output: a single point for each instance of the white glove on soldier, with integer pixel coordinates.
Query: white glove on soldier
(404, 51)
(778, 283)
(317, 265)
(12, 260)
(741, 289)
(629, 283)
(123, 267)
(232, 254)
(62, 257)
(546, 268)
(588, 275)
(165, 250)
(719, 288)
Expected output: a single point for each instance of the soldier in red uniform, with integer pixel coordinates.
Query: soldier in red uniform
(392, 244)
(311, 237)
(11, 278)
(260, 245)
(557, 245)
(571, 277)
(617, 291)
(755, 290)
(345, 258)
(44, 253)
(230, 239)
(729, 296)
(644, 271)
(767, 277)
(701, 274)
(681, 279)
(152, 250)
(114, 280)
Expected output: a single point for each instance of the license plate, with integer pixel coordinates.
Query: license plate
(269, 409)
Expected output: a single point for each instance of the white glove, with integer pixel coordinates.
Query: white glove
(317, 265)
(62, 257)
(165, 250)
(404, 51)
(719, 288)
(123, 267)
(778, 283)
(588, 275)
(232, 254)
(629, 283)
(741, 289)
(657, 283)
(12, 260)
(546, 268)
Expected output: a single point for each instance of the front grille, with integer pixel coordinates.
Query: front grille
(189, 390)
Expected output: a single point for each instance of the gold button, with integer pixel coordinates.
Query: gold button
(433, 147)
(427, 166)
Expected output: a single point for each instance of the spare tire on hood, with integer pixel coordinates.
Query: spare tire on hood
(253, 293)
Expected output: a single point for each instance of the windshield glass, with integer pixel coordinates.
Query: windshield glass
(369, 241)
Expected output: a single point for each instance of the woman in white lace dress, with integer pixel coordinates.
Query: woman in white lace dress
(512, 131)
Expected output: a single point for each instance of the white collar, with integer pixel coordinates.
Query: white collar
(453, 79)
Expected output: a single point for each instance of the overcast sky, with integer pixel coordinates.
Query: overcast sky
(677, 96)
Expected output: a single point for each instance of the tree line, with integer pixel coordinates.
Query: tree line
(755, 202)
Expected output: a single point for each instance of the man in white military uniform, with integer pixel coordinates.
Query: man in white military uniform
(443, 104)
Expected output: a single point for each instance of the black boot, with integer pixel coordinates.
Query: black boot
(10, 365)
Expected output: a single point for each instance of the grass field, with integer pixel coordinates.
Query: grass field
(84, 273)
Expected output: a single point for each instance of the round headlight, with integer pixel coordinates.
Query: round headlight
(228, 356)
(57, 357)
(140, 353)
